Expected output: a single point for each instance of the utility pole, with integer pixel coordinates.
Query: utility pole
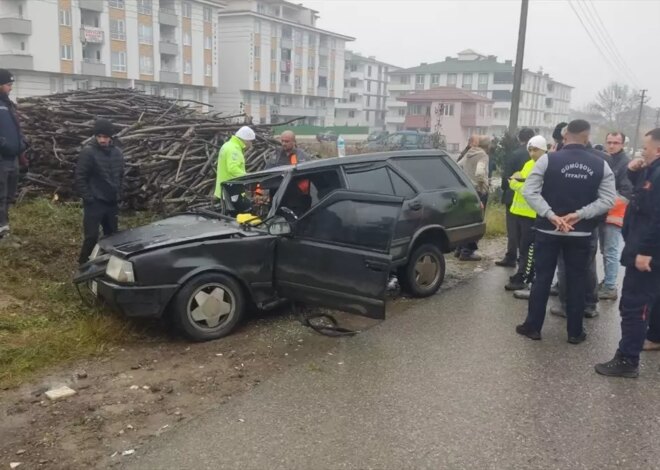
(639, 121)
(518, 71)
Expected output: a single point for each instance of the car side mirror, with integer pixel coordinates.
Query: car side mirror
(288, 214)
(280, 228)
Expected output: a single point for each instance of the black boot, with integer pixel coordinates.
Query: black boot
(618, 367)
(516, 282)
(506, 262)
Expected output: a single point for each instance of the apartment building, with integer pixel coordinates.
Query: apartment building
(365, 92)
(453, 112)
(164, 47)
(276, 65)
(544, 101)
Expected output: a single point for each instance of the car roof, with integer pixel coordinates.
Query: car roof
(336, 161)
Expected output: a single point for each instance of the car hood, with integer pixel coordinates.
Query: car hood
(174, 230)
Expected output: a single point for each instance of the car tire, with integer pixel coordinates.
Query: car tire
(208, 307)
(425, 271)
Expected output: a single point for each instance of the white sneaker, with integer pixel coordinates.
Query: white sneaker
(522, 294)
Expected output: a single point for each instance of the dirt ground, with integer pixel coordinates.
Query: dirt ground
(133, 395)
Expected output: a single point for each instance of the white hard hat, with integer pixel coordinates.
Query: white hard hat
(246, 134)
(537, 142)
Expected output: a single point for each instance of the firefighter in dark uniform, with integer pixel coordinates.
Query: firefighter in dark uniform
(640, 297)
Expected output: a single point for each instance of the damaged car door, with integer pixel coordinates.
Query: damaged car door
(337, 255)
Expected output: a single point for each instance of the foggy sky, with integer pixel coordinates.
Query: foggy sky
(407, 32)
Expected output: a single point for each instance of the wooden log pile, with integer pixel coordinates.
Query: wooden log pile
(170, 147)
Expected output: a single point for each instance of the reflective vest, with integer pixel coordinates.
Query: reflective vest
(616, 214)
(303, 185)
(519, 205)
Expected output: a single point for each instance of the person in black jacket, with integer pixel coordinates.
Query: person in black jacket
(289, 154)
(99, 175)
(640, 296)
(512, 164)
(12, 145)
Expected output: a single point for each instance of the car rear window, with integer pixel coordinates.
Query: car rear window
(378, 181)
(430, 172)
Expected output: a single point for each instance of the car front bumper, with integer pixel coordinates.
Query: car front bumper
(133, 301)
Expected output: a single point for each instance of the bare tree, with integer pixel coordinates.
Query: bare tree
(614, 102)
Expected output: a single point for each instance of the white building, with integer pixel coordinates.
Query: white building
(276, 65)
(161, 46)
(544, 102)
(365, 92)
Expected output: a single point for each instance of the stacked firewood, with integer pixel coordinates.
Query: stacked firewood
(170, 146)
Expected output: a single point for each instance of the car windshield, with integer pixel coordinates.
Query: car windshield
(252, 196)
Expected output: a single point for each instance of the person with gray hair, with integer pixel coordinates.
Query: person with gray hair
(475, 166)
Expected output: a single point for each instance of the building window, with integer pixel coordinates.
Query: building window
(65, 17)
(435, 79)
(299, 59)
(118, 30)
(451, 79)
(404, 79)
(298, 82)
(273, 77)
(66, 52)
(146, 65)
(323, 82)
(187, 67)
(144, 7)
(368, 85)
(503, 78)
(257, 27)
(402, 112)
(208, 70)
(368, 100)
(208, 14)
(467, 81)
(298, 38)
(186, 8)
(145, 34)
(118, 61)
(419, 79)
(311, 62)
(483, 81)
(257, 76)
(351, 114)
(369, 71)
(116, 4)
(257, 52)
(187, 38)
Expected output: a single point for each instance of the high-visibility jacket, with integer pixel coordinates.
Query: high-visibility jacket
(231, 163)
(616, 214)
(519, 205)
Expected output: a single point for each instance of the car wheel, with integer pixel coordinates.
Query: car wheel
(425, 271)
(208, 307)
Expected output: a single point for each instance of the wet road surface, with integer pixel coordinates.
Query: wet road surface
(444, 384)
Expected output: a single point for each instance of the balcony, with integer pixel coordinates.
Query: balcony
(298, 111)
(94, 5)
(322, 91)
(92, 67)
(285, 88)
(417, 122)
(401, 86)
(16, 60)
(15, 26)
(349, 105)
(169, 47)
(469, 120)
(91, 35)
(357, 75)
(168, 17)
(169, 76)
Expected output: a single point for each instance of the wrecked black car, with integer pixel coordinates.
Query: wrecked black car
(326, 233)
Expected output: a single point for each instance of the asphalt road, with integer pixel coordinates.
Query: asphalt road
(445, 384)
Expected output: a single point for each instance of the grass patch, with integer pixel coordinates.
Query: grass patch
(42, 319)
(495, 220)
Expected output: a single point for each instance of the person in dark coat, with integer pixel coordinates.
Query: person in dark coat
(512, 164)
(640, 296)
(558, 136)
(99, 176)
(289, 154)
(12, 146)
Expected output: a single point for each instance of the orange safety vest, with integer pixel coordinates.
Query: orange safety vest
(303, 185)
(617, 213)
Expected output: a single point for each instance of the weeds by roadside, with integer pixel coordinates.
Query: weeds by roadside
(495, 220)
(42, 320)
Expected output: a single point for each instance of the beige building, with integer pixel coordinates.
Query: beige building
(276, 64)
(164, 47)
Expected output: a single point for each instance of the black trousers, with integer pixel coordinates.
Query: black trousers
(8, 186)
(469, 248)
(591, 286)
(524, 228)
(95, 214)
(511, 235)
(547, 250)
(640, 312)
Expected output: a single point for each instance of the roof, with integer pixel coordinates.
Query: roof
(356, 56)
(454, 65)
(443, 93)
(362, 158)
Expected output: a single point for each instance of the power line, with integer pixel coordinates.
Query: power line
(595, 43)
(600, 28)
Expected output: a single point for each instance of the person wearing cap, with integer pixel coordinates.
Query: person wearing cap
(524, 216)
(12, 146)
(231, 158)
(98, 180)
(568, 190)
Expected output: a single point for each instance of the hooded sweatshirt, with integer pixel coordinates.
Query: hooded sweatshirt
(475, 166)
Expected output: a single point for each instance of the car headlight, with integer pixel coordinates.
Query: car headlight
(120, 270)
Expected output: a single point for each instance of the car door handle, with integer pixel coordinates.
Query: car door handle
(375, 265)
(454, 201)
(415, 205)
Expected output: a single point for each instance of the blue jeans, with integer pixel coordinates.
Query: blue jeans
(611, 243)
(576, 252)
